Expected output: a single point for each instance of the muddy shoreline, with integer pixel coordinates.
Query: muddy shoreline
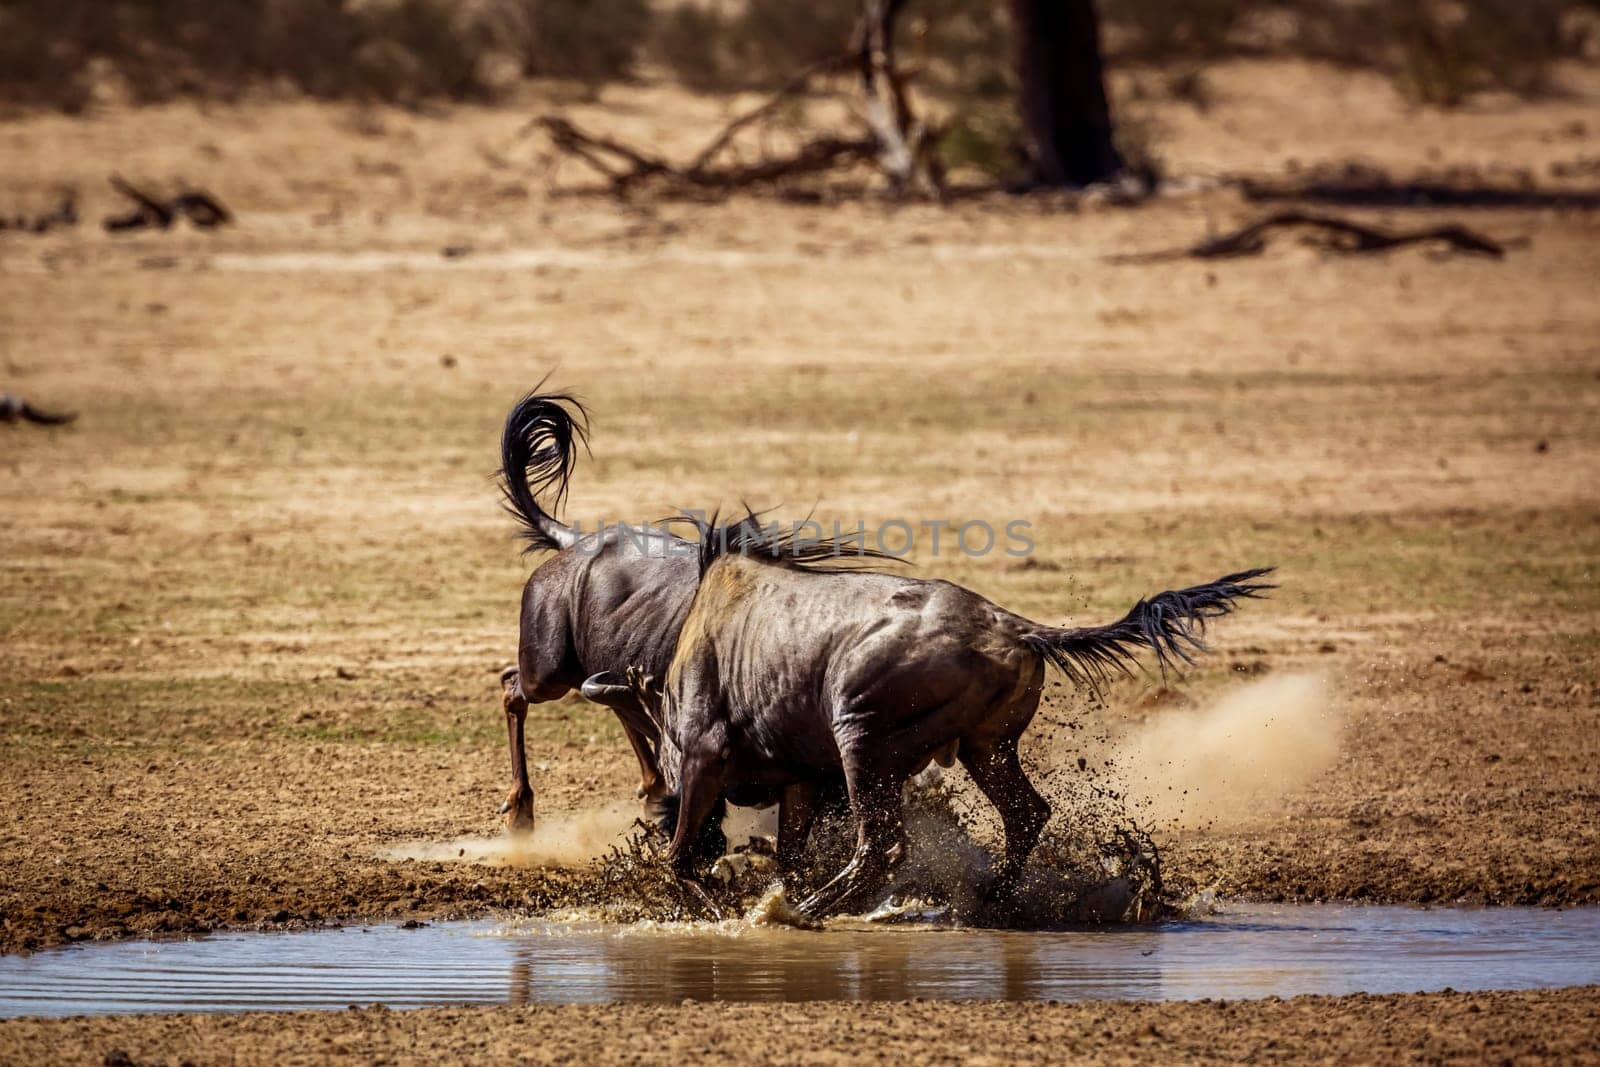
(1555, 1026)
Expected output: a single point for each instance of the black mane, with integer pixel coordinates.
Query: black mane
(775, 544)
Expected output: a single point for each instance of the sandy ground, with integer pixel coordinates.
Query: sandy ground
(254, 600)
(1549, 1027)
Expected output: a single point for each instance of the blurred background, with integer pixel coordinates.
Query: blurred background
(74, 54)
(1189, 286)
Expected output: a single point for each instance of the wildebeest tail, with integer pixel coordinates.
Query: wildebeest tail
(1171, 624)
(537, 452)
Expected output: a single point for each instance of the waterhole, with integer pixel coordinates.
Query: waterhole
(1242, 951)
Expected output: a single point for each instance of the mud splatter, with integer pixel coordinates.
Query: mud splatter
(617, 870)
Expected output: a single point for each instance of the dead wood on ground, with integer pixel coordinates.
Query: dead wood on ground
(153, 212)
(1339, 235)
(1364, 190)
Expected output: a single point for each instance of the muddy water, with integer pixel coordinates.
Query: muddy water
(1240, 952)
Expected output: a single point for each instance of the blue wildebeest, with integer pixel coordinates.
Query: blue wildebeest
(605, 601)
(789, 672)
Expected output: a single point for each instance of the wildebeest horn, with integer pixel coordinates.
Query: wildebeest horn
(631, 699)
(608, 688)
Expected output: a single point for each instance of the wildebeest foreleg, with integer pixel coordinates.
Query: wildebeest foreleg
(796, 811)
(875, 803)
(699, 790)
(696, 799)
(998, 774)
(518, 808)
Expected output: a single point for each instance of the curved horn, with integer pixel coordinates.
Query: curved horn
(609, 688)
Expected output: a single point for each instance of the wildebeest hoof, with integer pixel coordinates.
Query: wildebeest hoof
(710, 846)
(698, 891)
(518, 812)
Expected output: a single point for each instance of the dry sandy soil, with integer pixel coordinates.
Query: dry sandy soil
(254, 600)
(1561, 1026)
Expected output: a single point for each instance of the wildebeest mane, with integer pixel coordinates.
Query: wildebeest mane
(787, 547)
(1171, 624)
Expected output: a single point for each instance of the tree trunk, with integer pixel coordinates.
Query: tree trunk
(1065, 116)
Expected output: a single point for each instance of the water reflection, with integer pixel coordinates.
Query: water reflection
(1248, 952)
(775, 965)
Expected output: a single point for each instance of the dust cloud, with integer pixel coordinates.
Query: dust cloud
(569, 839)
(1235, 758)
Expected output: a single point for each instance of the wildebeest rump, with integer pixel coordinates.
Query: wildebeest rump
(788, 673)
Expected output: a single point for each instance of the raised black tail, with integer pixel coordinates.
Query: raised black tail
(1171, 624)
(537, 452)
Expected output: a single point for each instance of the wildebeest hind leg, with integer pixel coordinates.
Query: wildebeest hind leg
(998, 774)
(880, 843)
(518, 808)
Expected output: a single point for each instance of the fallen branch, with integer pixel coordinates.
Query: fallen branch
(796, 85)
(624, 166)
(819, 154)
(1385, 192)
(200, 207)
(1344, 236)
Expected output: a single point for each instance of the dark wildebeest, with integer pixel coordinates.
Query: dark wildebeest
(605, 601)
(788, 672)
